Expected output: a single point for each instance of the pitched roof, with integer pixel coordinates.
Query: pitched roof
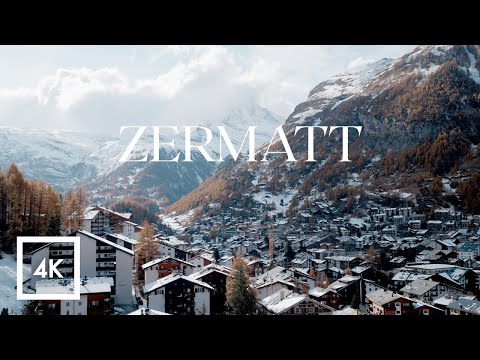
(162, 259)
(171, 278)
(106, 242)
(382, 297)
(419, 287)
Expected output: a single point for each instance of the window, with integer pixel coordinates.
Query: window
(162, 292)
(67, 304)
(79, 303)
(79, 313)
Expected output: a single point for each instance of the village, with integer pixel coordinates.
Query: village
(382, 261)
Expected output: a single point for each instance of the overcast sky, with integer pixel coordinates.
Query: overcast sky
(99, 88)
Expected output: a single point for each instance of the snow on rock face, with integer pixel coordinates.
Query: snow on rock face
(341, 87)
(63, 158)
(55, 157)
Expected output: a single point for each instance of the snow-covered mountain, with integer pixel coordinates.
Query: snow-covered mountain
(404, 107)
(64, 158)
(55, 156)
(170, 181)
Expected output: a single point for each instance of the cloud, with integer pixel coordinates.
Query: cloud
(180, 84)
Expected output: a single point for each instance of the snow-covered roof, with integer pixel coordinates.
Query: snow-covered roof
(419, 287)
(174, 241)
(466, 305)
(123, 215)
(410, 276)
(282, 300)
(382, 297)
(159, 260)
(124, 238)
(341, 258)
(141, 311)
(469, 247)
(209, 269)
(171, 278)
(106, 242)
(93, 285)
(347, 310)
(90, 214)
(431, 266)
(318, 292)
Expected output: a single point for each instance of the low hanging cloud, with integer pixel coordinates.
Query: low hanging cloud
(202, 86)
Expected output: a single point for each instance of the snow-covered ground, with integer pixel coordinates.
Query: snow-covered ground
(8, 281)
(177, 222)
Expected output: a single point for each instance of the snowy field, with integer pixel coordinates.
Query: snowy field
(8, 281)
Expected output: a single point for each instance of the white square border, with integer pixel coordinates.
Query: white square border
(76, 267)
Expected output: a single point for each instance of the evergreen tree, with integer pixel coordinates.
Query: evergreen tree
(241, 297)
(216, 254)
(53, 226)
(289, 254)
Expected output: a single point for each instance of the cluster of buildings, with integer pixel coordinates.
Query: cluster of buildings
(384, 260)
(387, 261)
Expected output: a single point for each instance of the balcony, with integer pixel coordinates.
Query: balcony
(105, 268)
(61, 247)
(106, 251)
(106, 259)
(61, 256)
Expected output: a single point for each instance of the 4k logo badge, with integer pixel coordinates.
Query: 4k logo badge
(45, 268)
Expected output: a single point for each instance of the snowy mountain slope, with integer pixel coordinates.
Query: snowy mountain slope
(401, 104)
(65, 158)
(334, 91)
(56, 156)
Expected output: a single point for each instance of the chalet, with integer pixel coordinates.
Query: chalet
(216, 276)
(165, 266)
(130, 229)
(434, 225)
(174, 248)
(402, 278)
(179, 295)
(350, 288)
(385, 302)
(421, 308)
(427, 290)
(326, 296)
(122, 240)
(464, 307)
(226, 261)
(257, 267)
(371, 286)
(202, 260)
(272, 281)
(343, 262)
(469, 251)
(94, 299)
(443, 244)
(95, 222)
(113, 219)
(285, 302)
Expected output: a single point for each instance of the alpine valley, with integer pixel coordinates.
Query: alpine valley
(420, 116)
